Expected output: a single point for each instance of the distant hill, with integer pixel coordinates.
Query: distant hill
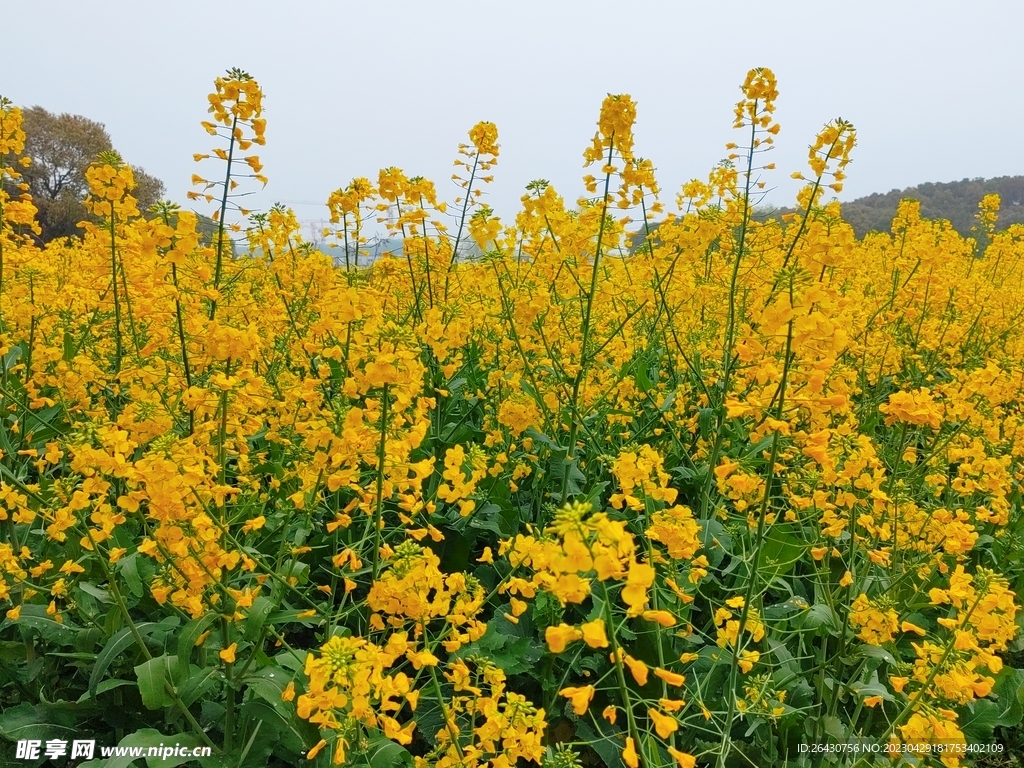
(375, 249)
(956, 201)
(369, 253)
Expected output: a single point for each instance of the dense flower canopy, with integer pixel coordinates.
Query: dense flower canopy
(734, 484)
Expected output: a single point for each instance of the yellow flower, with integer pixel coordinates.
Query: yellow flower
(316, 749)
(906, 626)
(560, 636)
(580, 698)
(629, 756)
(228, 654)
(638, 580)
(672, 678)
(593, 633)
(917, 407)
(254, 524)
(683, 759)
(636, 667)
(484, 136)
(664, 725)
(664, 618)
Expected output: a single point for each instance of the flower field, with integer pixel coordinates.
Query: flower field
(649, 480)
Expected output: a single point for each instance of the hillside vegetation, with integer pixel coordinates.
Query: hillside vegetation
(956, 201)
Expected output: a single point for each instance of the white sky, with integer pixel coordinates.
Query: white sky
(934, 88)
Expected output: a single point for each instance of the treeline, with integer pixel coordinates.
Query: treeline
(956, 201)
(61, 147)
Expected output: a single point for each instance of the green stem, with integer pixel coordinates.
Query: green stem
(620, 672)
(378, 510)
(449, 723)
(184, 349)
(137, 636)
(915, 698)
(462, 223)
(730, 331)
(578, 380)
(753, 578)
(219, 265)
(229, 711)
(119, 345)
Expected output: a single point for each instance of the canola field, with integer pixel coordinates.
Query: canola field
(648, 480)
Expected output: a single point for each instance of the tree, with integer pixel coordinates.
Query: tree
(61, 147)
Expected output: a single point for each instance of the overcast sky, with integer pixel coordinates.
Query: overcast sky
(933, 88)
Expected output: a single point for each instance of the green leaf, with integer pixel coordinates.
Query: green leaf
(872, 688)
(199, 682)
(118, 642)
(979, 723)
(128, 567)
(513, 655)
(295, 733)
(269, 683)
(754, 452)
(103, 687)
(257, 617)
(876, 652)
(187, 639)
(834, 727)
(781, 551)
(154, 677)
(10, 359)
(384, 753)
(491, 517)
(593, 497)
(290, 615)
(784, 610)
(100, 594)
(1009, 692)
(295, 569)
(13, 651)
(606, 745)
(259, 744)
(34, 617)
(641, 375)
(26, 721)
(786, 663)
(69, 347)
(292, 660)
(559, 467)
(819, 616)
